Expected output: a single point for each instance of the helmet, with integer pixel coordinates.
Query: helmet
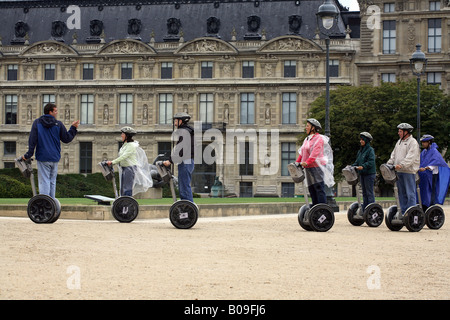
(405, 126)
(128, 130)
(314, 122)
(183, 116)
(366, 135)
(426, 137)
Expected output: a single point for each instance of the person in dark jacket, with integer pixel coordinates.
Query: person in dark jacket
(183, 154)
(365, 164)
(45, 136)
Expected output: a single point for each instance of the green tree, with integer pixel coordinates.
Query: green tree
(379, 110)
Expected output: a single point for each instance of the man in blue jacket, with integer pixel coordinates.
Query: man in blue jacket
(45, 136)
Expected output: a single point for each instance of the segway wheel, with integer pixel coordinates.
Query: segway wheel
(414, 219)
(301, 217)
(392, 211)
(321, 217)
(125, 209)
(183, 214)
(57, 212)
(434, 217)
(352, 212)
(42, 209)
(373, 215)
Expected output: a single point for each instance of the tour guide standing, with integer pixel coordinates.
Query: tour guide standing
(406, 159)
(183, 154)
(45, 136)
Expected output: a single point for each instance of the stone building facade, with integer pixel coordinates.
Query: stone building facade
(246, 69)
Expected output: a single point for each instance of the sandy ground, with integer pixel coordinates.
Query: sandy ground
(256, 257)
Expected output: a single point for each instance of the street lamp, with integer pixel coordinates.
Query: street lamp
(327, 13)
(418, 64)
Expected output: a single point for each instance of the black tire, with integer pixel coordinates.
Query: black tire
(57, 212)
(183, 214)
(321, 217)
(351, 213)
(434, 217)
(373, 215)
(301, 217)
(414, 219)
(41, 208)
(125, 209)
(392, 211)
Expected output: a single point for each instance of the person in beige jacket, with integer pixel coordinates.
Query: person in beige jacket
(406, 159)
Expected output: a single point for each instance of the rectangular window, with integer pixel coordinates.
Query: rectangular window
(289, 108)
(9, 148)
(47, 98)
(434, 35)
(288, 155)
(389, 37)
(435, 5)
(12, 72)
(248, 69)
(287, 189)
(434, 78)
(207, 69)
(88, 71)
(165, 108)
(126, 108)
(245, 189)
(290, 69)
(87, 109)
(127, 70)
(49, 71)
(389, 7)
(166, 70)
(247, 108)
(206, 108)
(165, 148)
(11, 109)
(388, 77)
(246, 158)
(85, 157)
(334, 68)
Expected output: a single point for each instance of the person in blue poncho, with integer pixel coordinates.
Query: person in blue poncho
(434, 173)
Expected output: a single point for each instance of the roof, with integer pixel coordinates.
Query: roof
(165, 20)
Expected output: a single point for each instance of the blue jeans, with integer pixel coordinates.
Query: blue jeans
(47, 172)
(406, 186)
(367, 182)
(185, 169)
(127, 181)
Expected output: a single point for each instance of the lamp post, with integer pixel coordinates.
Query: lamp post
(328, 14)
(418, 64)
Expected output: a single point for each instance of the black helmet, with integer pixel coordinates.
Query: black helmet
(314, 123)
(183, 116)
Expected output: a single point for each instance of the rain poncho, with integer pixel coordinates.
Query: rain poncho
(138, 160)
(432, 157)
(317, 153)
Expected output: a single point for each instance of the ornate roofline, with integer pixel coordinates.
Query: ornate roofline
(49, 48)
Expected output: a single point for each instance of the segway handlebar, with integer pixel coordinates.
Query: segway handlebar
(107, 171)
(24, 166)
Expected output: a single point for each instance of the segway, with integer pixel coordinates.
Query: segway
(319, 217)
(372, 215)
(183, 214)
(41, 207)
(124, 208)
(434, 217)
(414, 217)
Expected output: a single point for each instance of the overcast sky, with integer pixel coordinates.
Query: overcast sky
(351, 4)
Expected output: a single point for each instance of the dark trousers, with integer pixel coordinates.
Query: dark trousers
(127, 181)
(317, 192)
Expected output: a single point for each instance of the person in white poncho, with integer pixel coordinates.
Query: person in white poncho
(316, 156)
(134, 170)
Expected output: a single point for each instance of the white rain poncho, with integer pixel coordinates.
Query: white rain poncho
(142, 176)
(317, 153)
